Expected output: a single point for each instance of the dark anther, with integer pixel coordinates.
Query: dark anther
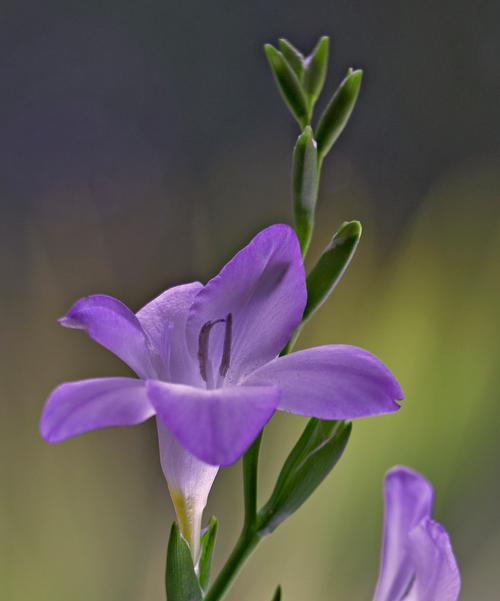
(226, 351)
(203, 339)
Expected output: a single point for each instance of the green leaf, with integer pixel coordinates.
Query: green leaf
(337, 113)
(313, 457)
(289, 85)
(206, 552)
(293, 57)
(305, 186)
(277, 594)
(331, 266)
(180, 578)
(316, 66)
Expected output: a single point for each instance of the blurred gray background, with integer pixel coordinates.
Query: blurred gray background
(140, 145)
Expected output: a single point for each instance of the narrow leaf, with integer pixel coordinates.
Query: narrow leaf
(206, 552)
(180, 578)
(289, 85)
(315, 70)
(293, 57)
(331, 266)
(338, 111)
(305, 186)
(277, 594)
(310, 461)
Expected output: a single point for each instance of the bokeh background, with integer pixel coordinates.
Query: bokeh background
(141, 143)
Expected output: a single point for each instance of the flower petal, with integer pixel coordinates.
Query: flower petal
(167, 315)
(408, 499)
(189, 482)
(331, 382)
(77, 407)
(436, 571)
(111, 323)
(263, 287)
(217, 426)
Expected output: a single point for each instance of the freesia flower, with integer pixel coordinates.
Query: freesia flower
(417, 559)
(207, 363)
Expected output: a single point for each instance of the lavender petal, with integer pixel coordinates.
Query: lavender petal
(408, 500)
(165, 317)
(77, 407)
(216, 426)
(436, 571)
(263, 288)
(331, 382)
(113, 325)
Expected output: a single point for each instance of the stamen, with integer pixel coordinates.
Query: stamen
(226, 351)
(203, 339)
(204, 351)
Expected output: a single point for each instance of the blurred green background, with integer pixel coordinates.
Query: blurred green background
(141, 144)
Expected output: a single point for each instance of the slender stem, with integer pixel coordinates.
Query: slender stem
(291, 343)
(295, 336)
(249, 538)
(250, 469)
(242, 550)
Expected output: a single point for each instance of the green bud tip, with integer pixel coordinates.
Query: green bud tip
(294, 56)
(355, 75)
(271, 51)
(349, 229)
(323, 44)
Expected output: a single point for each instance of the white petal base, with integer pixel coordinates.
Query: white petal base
(189, 482)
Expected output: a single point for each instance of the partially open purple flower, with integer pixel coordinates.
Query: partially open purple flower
(417, 559)
(208, 366)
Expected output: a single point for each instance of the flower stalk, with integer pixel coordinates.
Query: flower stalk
(249, 537)
(300, 81)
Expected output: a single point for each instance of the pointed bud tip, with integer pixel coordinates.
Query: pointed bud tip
(287, 43)
(174, 530)
(322, 45)
(213, 523)
(349, 229)
(355, 74)
(270, 50)
(277, 594)
(284, 42)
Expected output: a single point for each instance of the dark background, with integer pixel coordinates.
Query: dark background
(141, 143)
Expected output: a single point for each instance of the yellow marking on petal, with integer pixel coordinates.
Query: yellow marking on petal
(182, 511)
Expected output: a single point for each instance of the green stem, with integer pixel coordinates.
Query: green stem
(242, 550)
(250, 470)
(249, 538)
(291, 343)
(295, 336)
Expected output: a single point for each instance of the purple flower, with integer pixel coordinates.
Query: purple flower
(417, 559)
(208, 367)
